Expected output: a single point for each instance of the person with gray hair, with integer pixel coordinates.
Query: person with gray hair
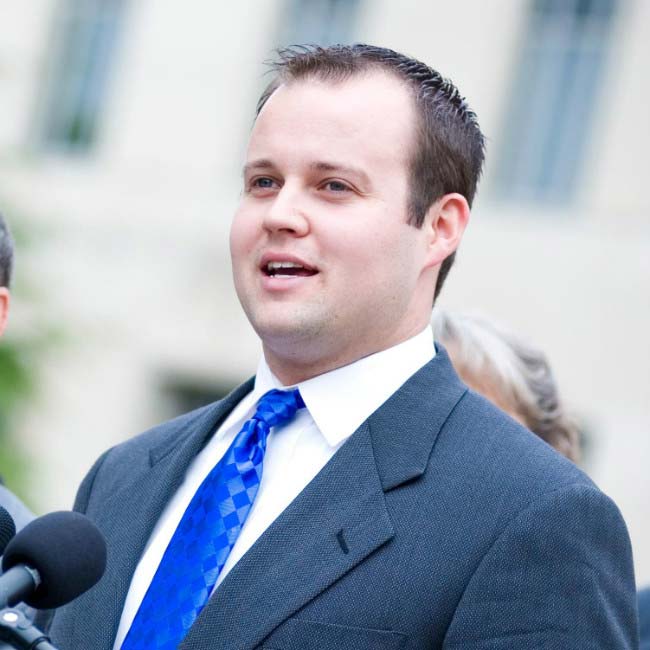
(513, 374)
(21, 515)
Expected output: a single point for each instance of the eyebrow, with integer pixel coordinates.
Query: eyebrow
(318, 165)
(261, 164)
(324, 166)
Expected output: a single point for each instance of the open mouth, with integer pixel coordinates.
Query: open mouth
(287, 270)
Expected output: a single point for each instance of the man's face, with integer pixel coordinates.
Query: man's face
(325, 264)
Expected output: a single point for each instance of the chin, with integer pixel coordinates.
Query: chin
(288, 327)
(286, 330)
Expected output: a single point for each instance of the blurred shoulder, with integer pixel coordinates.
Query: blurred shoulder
(19, 512)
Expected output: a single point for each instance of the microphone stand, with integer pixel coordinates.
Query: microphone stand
(17, 632)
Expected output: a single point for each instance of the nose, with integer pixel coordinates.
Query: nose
(285, 213)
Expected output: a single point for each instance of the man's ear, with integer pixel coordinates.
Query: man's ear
(446, 221)
(4, 308)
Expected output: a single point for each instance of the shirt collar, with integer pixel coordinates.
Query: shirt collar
(339, 401)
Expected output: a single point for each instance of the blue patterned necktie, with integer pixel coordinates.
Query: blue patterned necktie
(207, 532)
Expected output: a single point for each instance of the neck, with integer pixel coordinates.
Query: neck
(298, 363)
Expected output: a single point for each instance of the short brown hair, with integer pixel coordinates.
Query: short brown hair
(450, 146)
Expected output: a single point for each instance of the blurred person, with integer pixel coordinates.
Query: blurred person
(395, 508)
(511, 373)
(8, 500)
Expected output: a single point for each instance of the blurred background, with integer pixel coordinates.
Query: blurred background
(122, 134)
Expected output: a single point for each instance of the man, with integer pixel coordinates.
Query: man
(20, 514)
(397, 508)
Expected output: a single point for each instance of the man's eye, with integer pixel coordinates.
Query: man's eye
(263, 183)
(336, 186)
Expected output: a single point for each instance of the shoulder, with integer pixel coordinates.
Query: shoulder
(472, 441)
(502, 454)
(476, 459)
(496, 475)
(545, 533)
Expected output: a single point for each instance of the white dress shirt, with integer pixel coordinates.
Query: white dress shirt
(337, 403)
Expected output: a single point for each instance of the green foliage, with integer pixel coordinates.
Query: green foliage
(17, 385)
(15, 379)
(14, 467)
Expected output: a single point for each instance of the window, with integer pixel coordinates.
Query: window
(184, 394)
(86, 35)
(556, 87)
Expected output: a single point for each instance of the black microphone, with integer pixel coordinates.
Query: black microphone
(7, 529)
(51, 561)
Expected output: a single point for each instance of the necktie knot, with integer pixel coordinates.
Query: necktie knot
(277, 407)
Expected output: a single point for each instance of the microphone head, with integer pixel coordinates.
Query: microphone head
(7, 529)
(66, 549)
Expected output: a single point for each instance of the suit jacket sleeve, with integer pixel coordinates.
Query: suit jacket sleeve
(559, 576)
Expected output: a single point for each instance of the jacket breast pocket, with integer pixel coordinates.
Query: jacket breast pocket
(300, 634)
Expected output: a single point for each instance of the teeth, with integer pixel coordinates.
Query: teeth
(274, 266)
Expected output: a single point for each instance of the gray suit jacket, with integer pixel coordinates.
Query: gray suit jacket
(441, 523)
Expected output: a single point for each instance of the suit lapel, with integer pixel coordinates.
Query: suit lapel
(130, 514)
(336, 521)
(405, 429)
